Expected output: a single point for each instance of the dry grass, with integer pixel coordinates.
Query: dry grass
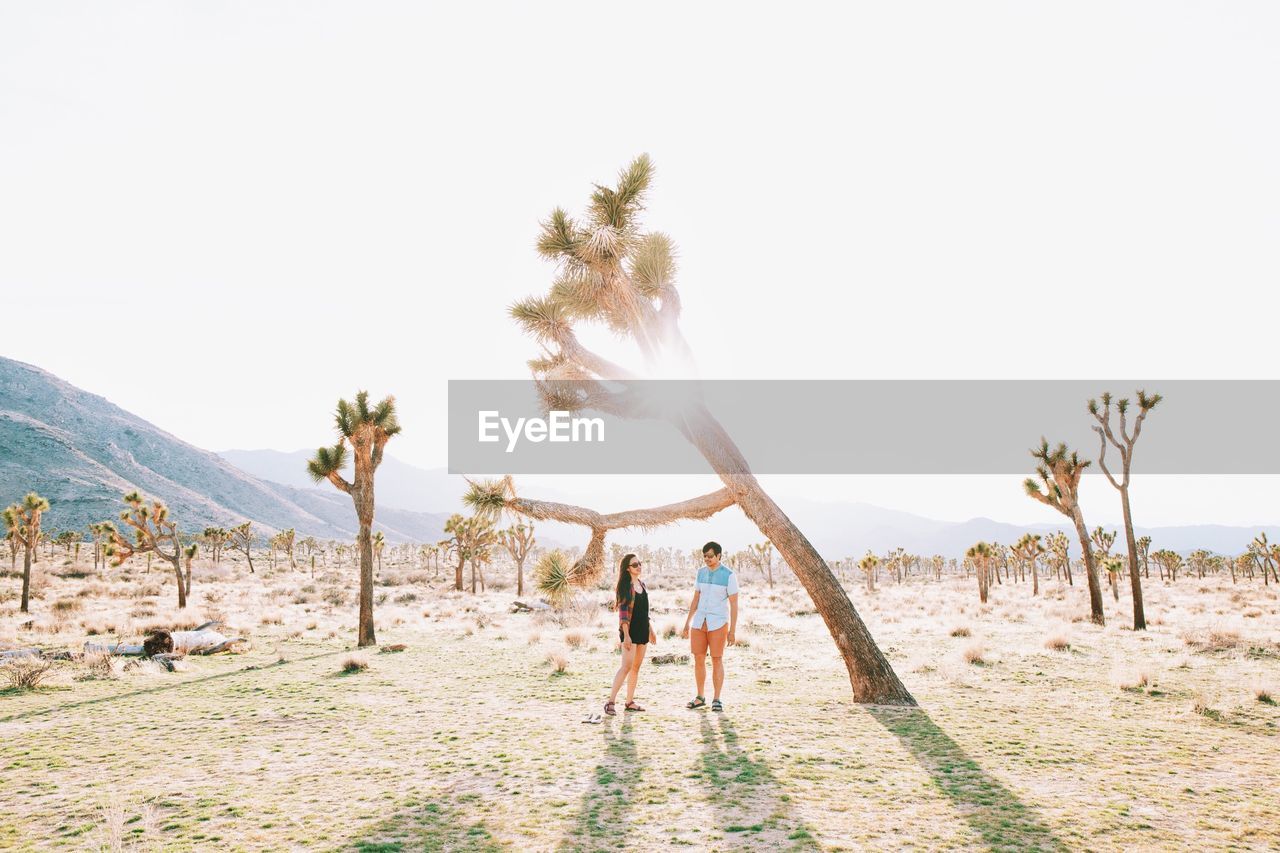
(960, 631)
(999, 756)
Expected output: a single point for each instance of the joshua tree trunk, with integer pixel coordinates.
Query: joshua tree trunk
(364, 512)
(1096, 612)
(26, 580)
(182, 588)
(1135, 580)
(872, 678)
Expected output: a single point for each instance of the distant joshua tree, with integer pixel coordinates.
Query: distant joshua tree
(188, 556)
(216, 538)
(283, 541)
(1060, 546)
(241, 540)
(762, 555)
(154, 532)
(379, 545)
(982, 555)
(1169, 563)
(1103, 541)
(869, 564)
(1029, 549)
(363, 432)
(22, 521)
(518, 540)
(1059, 487)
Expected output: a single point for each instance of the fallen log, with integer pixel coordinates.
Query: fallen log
(203, 640)
(522, 607)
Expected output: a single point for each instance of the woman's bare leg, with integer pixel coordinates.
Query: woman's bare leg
(621, 675)
(636, 660)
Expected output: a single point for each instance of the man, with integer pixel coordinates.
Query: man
(713, 615)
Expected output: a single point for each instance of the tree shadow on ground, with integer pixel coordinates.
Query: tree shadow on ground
(994, 812)
(430, 825)
(743, 791)
(601, 821)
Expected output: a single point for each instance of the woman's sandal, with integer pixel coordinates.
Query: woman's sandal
(632, 706)
(608, 709)
(697, 702)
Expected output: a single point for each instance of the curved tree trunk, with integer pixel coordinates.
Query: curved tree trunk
(1096, 612)
(872, 678)
(1135, 580)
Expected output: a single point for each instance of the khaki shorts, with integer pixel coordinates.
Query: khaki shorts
(701, 640)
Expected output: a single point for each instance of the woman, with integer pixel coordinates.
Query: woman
(634, 631)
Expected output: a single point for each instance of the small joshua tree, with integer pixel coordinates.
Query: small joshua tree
(22, 521)
(241, 539)
(518, 541)
(363, 433)
(283, 541)
(379, 545)
(188, 556)
(762, 554)
(1103, 541)
(1029, 549)
(982, 554)
(1059, 487)
(869, 564)
(216, 537)
(154, 532)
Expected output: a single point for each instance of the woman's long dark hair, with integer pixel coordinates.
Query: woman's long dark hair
(623, 593)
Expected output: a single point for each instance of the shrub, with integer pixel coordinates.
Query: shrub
(975, 653)
(1058, 642)
(960, 631)
(406, 598)
(26, 673)
(574, 639)
(354, 663)
(559, 662)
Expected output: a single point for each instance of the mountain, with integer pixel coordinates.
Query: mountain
(400, 484)
(83, 453)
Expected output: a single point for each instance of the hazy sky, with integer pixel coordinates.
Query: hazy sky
(223, 216)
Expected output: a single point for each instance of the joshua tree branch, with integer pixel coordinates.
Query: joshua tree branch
(336, 478)
(1102, 456)
(697, 508)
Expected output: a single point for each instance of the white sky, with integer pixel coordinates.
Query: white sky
(223, 216)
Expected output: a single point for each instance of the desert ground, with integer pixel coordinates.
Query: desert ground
(1036, 729)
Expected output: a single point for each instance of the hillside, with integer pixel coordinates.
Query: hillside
(83, 452)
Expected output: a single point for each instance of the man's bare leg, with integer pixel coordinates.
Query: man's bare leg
(717, 676)
(700, 673)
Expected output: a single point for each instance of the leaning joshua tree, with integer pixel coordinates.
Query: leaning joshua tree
(613, 273)
(22, 521)
(154, 532)
(1059, 487)
(1124, 444)
(366, 432)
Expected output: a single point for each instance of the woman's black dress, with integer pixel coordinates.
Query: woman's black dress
(639, 619)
